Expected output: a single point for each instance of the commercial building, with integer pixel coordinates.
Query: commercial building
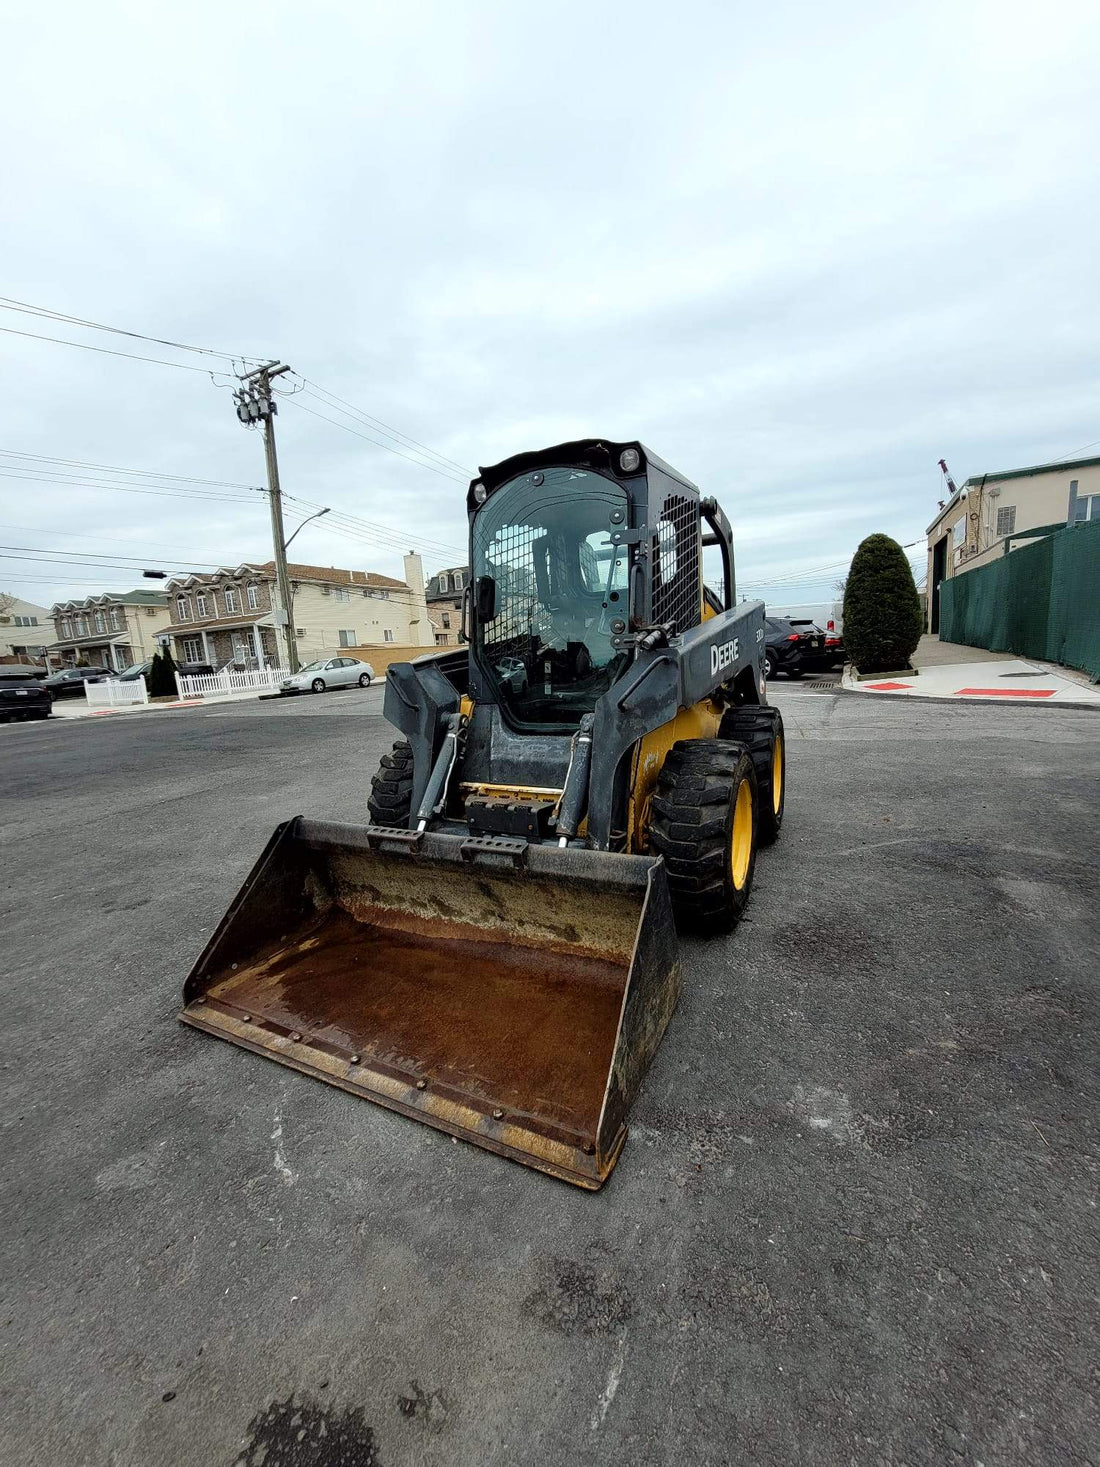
(232, 615)
(114, 629)
(991, 514)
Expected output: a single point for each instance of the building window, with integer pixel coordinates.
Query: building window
(82, 626)
(253, 598)
(444, 583)
(26, 621)
(347, 639)
(440, 639)
(100, 624)
(458, 580)
(200, 603)
(447, 620)
(192, 649)
(958, 531)
(341, 594)
(66, 627)
(231, 600)
(1006, 520)
(1086, 508)
(116, 618)
(387, 635)
(183, 608)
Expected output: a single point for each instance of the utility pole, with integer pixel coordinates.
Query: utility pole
(256, 404)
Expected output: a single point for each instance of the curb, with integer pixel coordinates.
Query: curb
(957, 702)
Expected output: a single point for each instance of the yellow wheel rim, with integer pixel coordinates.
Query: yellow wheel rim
(777, 774)
(741, 843)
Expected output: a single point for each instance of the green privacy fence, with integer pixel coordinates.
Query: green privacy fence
(1042, 600)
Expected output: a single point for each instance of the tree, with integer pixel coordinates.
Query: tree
(882, 615)
(162, 675)
(7, 601)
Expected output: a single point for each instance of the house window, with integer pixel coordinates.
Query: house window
(958, 531)
(116, 618)
(82, 626)
(447, 620)
(458, 580)
(347, 639)
(1006, 520)
(200, 607)
(192, 649)
(444, 584)
(183, 608)
(231, 603)
(100, 624)
(26, 621)
(1087, 508)
(387, 635)
(66, 627)
(342, 595)
(253, 598)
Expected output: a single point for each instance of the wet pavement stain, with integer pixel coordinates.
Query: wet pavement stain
(298, 1432)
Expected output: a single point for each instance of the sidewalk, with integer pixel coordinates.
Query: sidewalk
(951, 673)
(78, 708)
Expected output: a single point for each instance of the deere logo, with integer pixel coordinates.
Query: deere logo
(723, 654)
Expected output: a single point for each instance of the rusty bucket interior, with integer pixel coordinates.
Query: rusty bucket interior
(510, 996)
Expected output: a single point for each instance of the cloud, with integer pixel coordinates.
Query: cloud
(801, 251)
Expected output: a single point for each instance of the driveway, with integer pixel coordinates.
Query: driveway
(855, 1220)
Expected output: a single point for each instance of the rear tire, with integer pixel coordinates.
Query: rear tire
(703, 821)
(760, 730)
(390, 798)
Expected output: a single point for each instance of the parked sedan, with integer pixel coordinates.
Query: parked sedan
(330, 672)
(72, 680)
(142, 669)
(23, 696)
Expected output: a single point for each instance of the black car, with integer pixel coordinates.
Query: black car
(794, 647)
(23, 696)
(72, 680)
(142, 669)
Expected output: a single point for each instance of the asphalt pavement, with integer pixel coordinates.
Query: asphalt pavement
(855, 1219)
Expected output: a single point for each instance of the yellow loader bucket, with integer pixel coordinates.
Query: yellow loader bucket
(509, 994)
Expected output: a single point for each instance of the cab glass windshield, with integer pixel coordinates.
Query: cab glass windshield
(559, 581)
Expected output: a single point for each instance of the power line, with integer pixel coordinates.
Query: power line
(94, 555)
(420, 463)
(314, 389)
(102, 539)
(105, 350)
(28, 477)
(118, 469)
(25, 308)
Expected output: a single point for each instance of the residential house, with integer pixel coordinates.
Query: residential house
(444, 598)
(26, 630)
(232, 615)
(991, 514)
(109, 630)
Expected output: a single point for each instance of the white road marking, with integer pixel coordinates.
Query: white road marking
(614, 1375)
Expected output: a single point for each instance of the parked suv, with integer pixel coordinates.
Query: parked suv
(22, 695)
(793, 647)
(72, 680)
(142, 669)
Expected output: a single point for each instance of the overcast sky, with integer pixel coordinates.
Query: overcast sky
(800, 250)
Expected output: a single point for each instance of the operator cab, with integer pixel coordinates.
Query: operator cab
(550, 593)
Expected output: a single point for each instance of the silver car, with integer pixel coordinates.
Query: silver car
(329, 672)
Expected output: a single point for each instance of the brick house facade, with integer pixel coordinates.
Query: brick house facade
(444, 600)
(230, 616)
(111, 630)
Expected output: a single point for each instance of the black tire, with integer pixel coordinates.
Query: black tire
(760, 730)
(390, 798)
(794, 673)
(318, 685)
(364, 679)
(706, 791)
(769, 661)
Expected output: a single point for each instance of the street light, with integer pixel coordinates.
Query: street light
(302, 526)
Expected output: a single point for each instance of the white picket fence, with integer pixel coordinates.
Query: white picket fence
(111, 694)
(222, 684)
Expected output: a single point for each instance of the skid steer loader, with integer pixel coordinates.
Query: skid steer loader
(494, 953)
